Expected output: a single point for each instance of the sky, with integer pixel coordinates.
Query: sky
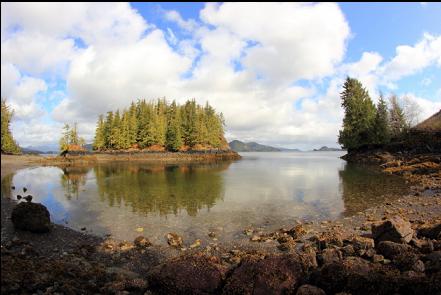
(275, 70)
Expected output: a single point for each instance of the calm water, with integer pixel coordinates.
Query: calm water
(266, 190)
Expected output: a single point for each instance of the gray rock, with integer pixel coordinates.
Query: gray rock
(394, 229)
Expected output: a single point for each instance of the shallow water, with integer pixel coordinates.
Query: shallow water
(267, 190)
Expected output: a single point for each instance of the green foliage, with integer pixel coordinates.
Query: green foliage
(8, 143)
(172, 126)
(359, 117)
(381, 124)
(70, 139)
(397, 120)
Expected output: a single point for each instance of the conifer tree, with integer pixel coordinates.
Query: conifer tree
(8, 143)
(359, 116)
(173, 135)
(99, 142)
(381, 124)
(397, 120)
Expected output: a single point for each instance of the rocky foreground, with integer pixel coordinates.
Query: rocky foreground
(391, 248)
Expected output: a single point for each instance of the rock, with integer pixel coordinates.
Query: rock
(433, 261)
(286, 246)
(195, 274)
(142, 242)
(433, 232)
(377, 258)
(329, 255)
(394, 229)
(418, 266)
(348, 250)
(212, 234)
(33, 217)
(196, 244)
(310, 290)
(362, 243)
(308, 257)
(390, 249)
(174, 240)
(272, 275)
(118, 271)
(125, 246)
(297, 231)
(255, 238)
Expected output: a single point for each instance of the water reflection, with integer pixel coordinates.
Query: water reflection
(161, 189)
(262, 189)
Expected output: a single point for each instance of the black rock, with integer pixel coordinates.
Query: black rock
(33, 217)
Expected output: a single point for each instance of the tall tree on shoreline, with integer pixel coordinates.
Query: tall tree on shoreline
(359, 117)
(381, 124)
(397, 120)
(8, 143)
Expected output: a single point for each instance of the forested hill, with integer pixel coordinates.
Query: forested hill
(239, 146)
(159, 126)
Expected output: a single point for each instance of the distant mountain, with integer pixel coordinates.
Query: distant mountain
(43, 149)
(327, 149)
(239, 146)
(88, 147)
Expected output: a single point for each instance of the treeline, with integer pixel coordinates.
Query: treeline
(9, 145)
(159, 123)
(365, 123)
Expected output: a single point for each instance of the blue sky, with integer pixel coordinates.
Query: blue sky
(274, 70)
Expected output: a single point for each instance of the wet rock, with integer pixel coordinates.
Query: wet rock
(348, 250)
(390, 249)
(432, 261)
(356, 276)
(125, 246)
(196, 244)
(362, 243)
(142, 242)
(297, 231)
(310, 290)
(432, 232)
(288, 246)
(120, 272)
(272, 275)
(394, 229)
(187, 275)
(174, 240)
(329, 255)
(377, 258)
(33, 217)
(418, 266)
(308, 257)
(255, 238)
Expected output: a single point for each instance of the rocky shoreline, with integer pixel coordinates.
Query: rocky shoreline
(391, 248)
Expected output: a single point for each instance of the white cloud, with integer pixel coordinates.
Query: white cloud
(245, 59)
(411, 59)
(174, 16)
(292, 40)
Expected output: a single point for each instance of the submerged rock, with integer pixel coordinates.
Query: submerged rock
(33, 217)
(394, 229)
(272, 275)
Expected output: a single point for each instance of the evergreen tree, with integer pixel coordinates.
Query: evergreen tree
(381, 124)
(99, 142)
(108, 130)
(397, 120)
(8, 143)
(359, 116)
(189, 122)
(173, 134)
(65, 138)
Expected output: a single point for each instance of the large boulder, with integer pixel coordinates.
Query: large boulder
(431, 232)
(273, 275)
(390, 250)
(394, 229)
(195, 274)
(33, 217)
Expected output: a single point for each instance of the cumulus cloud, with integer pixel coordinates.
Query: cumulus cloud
(245, 59)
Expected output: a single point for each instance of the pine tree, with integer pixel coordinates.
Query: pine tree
(99, 142)
(8, 143)
(381, 124)
(173, 134)
(397, 120)
(108, 129)
(359, 116)
(65, 138)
